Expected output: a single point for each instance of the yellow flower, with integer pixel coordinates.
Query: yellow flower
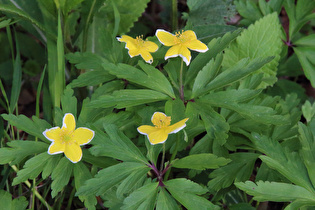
(180, 42)
(158, 133)
(68, 139)
(138, 46)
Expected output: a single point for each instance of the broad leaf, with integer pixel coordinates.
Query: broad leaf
(201, 162)
(262, 39)
(165, 201)
(7, 203)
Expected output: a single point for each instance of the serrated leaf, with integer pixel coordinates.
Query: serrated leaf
(19, 150)
(61, 175)
(240, 169)
(134, 179)
(308, 110)
(129, 12)
(286, 162)
(261, 39)
(165, 201)
(275, 191)
(81, 174)
(35, 127)
(91, 78)
(231, 96)
(201, 162)
(143, 198)
(186, 192)
(307, 41)
(236, 72)
(109, 177)
(248, 10)
(150, 77)
(128, 98)
(69, 102)
(6, 202)
(304, 55)
(32, 168)
(216, 46)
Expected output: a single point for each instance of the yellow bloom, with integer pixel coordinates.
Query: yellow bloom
(158, 133)
(68, 139)
(138, 46)
(180, 42)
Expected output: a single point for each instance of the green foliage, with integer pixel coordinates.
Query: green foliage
(260, 40)
(6, 201)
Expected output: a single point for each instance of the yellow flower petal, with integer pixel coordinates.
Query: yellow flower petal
(184, 53)
(150, 46)
(73, 152)
(160, 119)
(82, 136)
(173, 52)
(147, 56)
(177, 126)
(197, 45)
(130, 42)
(52, 134)
(68, 122)
(166, 38)
(56, 147)
(158, 137)
(188, 35)
(146, 129)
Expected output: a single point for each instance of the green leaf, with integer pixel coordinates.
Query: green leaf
(117, 145)
(81, 174)
(240, 169)
(69, 102)
(308, 110)
(61, 175)
(35, 127)
(308, 148)
(306, 41)
(32, 168)
(207, 73)
(151, 77)
(215, 124)
(129, 12)
(263, 39)
(109, 177)
(286, 162)
(305, 56)
(186, 192)
(275, 191)
(143, 198)
(236, 72)
(86, 60)
(216, 46)
(19, 150)
(132, 182)
(248, 10)
(128, 98)
(7, 203)
(231, 96)
(201, 162)
(91, 78)
(165, 201)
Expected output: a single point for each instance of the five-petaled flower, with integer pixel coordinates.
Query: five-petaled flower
(68, 139)
(138, 46)
(158, 133)
(180, 42)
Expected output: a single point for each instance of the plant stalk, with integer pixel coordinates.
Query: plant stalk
(181, 86)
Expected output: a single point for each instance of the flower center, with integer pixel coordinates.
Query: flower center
(180, 38)
(66, 136)
(140, 41)
(163, 123)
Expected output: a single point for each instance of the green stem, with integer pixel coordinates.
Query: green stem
(181, 86)
(174, 15)
(172, 157)
(163, 157)
(85, 31)
(29, 185)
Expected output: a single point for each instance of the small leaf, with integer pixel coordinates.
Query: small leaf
(201, 162)
(69, 102)
(275, 191)
(305, 56)
(308, 110)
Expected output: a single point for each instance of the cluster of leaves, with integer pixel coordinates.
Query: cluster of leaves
(243, 123)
